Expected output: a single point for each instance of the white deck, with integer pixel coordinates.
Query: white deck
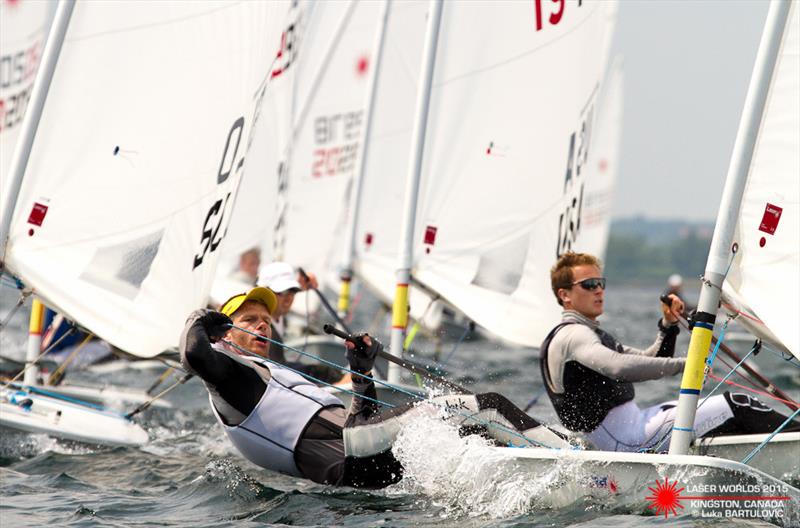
(63, 419)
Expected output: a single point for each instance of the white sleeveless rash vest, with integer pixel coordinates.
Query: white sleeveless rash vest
(269, 434)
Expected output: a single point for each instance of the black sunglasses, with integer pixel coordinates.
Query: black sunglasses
(592, 284)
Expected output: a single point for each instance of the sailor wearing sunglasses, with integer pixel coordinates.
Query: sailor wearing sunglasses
(589, 374)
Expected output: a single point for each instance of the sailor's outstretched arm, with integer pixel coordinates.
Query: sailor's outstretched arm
(237, 384)
(663, 346)
(579, 343)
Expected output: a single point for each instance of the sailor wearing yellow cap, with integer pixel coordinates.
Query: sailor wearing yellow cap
(281, 421)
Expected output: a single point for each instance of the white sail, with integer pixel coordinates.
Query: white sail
(137, 159)
(253, 219)
(604, 159)
(23, 31)
(294, 200)
(505, 171)
(764, 279)
(386, 169)
(327, 146)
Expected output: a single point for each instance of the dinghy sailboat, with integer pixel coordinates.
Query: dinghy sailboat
(24, 31)
(477, 129)
(762, 179)
(120, 188)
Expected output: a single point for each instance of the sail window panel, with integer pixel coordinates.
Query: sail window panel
(122, 268)
(500, 269)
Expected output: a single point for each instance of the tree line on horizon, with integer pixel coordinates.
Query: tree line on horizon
(633, 256)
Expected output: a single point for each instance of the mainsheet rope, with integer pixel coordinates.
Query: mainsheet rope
(760, 446)
(755, 391)
(381, 382)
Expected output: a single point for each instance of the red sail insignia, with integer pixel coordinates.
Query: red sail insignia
(38, 212)
(430, 235)
(769, 222)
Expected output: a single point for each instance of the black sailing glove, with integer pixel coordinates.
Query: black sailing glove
(203, 327)
(362, 357)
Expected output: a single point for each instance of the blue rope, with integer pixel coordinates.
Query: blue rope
(308, 376)
(710, 359)
(325, 362)
(755, 451)
(707, 396)
(394, 387)
(791, 359)
(535, 399)
(728, 375)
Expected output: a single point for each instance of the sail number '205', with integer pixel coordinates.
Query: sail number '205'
(211, 236)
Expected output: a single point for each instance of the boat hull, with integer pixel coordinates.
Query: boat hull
(24, 410)
(706, 486)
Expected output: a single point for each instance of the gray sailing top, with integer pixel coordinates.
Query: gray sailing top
(581, 343)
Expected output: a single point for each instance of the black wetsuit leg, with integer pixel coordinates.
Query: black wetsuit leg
(750, 416)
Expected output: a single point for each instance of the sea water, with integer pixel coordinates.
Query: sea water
(189, 475)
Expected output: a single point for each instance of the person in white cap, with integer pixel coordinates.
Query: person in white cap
(281, 278)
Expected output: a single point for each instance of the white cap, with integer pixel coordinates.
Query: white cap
(675, 280)
(278, 277)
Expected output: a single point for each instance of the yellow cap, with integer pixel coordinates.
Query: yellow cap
(257, 294)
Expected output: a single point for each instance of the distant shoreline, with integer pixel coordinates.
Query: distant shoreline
(647, 251)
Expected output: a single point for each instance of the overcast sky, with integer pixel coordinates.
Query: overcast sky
(687, 64)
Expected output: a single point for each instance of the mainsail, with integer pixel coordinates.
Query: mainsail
(23, 31)
(294, 199)
(763, 284)
(136, 162)
(331, 95)
(383, 185)
(506, 172)
(253, 219)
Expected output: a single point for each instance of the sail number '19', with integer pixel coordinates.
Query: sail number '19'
(210, 236)
(556, 11)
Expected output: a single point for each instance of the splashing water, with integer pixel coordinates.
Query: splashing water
(237, 482)
(14, 444)
(464, 475)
